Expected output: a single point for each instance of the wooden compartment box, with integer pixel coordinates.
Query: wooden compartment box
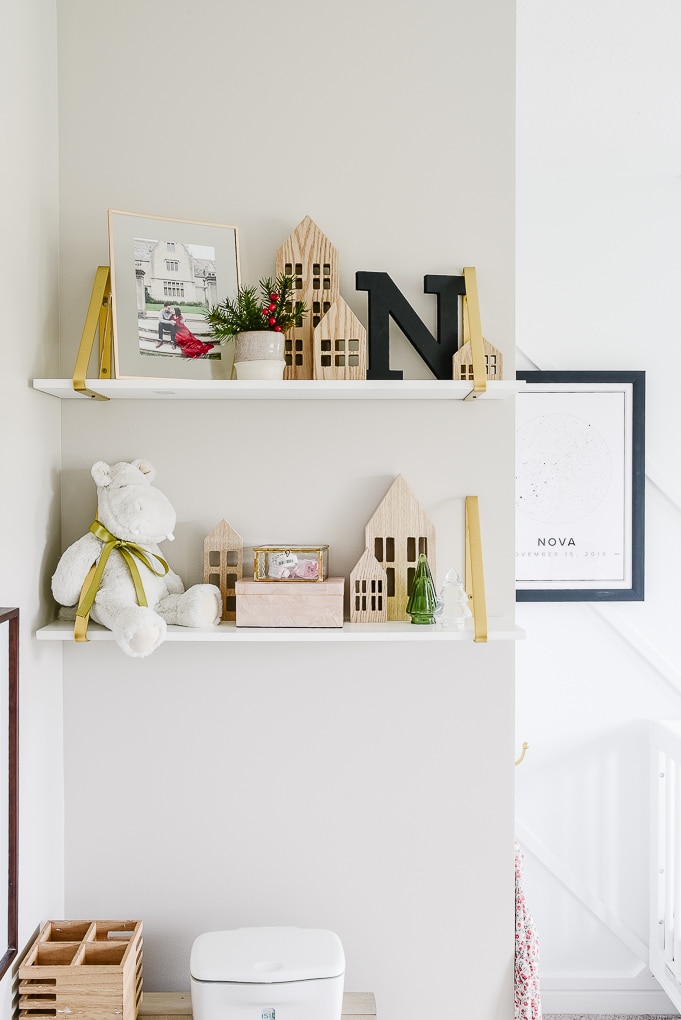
(90, 970)
(289, 603)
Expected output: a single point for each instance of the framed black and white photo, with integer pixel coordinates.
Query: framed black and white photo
(165, 275)
(580, 487)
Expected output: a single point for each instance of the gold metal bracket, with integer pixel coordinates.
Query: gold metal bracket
(97, 320)
(523, 752)
(472, 330)
(475, 578)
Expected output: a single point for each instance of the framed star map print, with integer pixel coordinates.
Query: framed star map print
(580, 499)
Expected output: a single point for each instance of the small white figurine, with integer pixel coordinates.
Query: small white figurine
(453, 605)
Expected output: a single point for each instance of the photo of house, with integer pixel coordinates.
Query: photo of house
(175, 284)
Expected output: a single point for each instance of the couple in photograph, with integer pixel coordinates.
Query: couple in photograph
(170, 321)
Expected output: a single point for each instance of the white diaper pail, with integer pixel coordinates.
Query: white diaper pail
(267, 974)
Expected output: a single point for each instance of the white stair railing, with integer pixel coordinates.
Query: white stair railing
(665, 859)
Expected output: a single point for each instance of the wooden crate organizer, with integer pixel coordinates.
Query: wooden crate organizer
(90, 970)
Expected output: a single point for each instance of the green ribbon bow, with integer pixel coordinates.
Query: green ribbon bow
(128, 551)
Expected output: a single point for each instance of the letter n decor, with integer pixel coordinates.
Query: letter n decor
(386, 301)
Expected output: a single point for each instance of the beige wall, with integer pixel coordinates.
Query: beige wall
(331, 785)
(30, 430)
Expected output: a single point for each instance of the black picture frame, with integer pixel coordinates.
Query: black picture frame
(606, 564)
(10, 618)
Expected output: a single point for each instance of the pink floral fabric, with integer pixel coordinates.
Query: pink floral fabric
(526, 975)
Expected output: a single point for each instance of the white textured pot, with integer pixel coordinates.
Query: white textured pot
(259, 354)
(259, 369)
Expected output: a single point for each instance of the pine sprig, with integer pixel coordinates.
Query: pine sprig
(271, 307)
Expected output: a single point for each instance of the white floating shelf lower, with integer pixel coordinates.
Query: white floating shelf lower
(299, 389)
(499, 630)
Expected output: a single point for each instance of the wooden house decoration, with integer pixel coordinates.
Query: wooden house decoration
(397, 532)
(463, 362)
(223, 564)
(368, 590)
(339, 343)
(309, 257)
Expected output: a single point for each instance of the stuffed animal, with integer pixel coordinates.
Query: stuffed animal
(133, 591)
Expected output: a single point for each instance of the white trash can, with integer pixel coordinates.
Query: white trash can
(267, 974)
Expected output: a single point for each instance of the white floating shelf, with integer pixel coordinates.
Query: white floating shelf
(303, 389)
(499, 630)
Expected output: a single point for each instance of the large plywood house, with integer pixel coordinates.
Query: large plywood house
(397, 532)
(309, 257)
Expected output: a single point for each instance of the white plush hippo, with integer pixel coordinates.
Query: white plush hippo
(132, 518)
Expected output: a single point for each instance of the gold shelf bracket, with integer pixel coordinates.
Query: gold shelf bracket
(475, 577)
(523, 752)
(97, 321)
(472, 330)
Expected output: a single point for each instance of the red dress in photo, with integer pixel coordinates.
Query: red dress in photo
(190, 345)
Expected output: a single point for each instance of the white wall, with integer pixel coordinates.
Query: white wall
(211, 787)
(30, 429)
(598, 263)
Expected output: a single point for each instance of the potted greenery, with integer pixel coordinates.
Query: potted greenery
(256, 319)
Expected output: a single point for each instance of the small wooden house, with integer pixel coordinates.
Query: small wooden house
(223, 564)
(368, 590)
(339, 344)
(462, 362)
(397, 532)
(309, 257)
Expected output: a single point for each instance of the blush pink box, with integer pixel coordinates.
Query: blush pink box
(290, 603)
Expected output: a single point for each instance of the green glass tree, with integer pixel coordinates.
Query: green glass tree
(423, 600)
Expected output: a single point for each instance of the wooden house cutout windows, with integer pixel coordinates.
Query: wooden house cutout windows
(396, 534)
(463, 362)
(369, 595)
(330, 342)
(490, 369)
(339, 342)
(319, 308)
(368, 591)
(223, 560)
(297, 272)
(309, 257)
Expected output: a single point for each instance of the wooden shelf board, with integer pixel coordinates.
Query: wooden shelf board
(303, 389)
(178, 1005)
(499, 630)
